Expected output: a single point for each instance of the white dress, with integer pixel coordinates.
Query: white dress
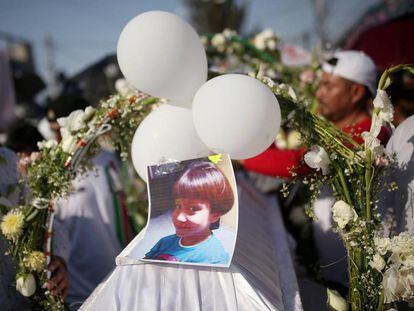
(260, 277)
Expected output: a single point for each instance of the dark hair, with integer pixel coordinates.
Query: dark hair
(203, 180)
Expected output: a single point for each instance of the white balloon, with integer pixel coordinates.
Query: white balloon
(162, 55)
(236, 114)
(166, 133)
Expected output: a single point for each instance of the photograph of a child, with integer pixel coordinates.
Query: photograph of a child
(194, 212)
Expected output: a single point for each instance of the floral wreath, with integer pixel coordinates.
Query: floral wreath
(28, 227)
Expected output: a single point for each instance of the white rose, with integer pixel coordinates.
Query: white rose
(318, 159)
(377, 262)
(342, 213)
(69, 144)
(383, 245)
(403, 243)
(218, 40)
(26, 285)
(336, 301)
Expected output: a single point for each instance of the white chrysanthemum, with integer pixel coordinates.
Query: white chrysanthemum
(26, 285)
(403, 243)
(35, 261)
(377, 262)
(343, 213)
(318, 159)
(12, 224)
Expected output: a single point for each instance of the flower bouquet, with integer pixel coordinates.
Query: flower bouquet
(380, 268)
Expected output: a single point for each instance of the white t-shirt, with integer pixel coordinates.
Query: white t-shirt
(84, 230)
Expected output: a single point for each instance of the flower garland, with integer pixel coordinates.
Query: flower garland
(28, 227)
(380, 268)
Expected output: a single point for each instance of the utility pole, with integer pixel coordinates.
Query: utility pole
(321, 13)
(51, 69)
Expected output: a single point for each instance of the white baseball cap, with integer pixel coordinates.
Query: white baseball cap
(355, 66)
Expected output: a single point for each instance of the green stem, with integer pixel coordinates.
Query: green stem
(343, 184)
(368, 172)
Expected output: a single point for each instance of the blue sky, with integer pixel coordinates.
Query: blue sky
(85, 30)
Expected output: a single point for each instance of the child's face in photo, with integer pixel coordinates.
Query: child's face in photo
(192, 217)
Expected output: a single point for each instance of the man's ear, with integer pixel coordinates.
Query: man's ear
(357, 92)
(214, 217)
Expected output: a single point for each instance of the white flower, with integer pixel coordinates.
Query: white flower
(272, 44)
(228, 33)
(382, 245)
(318, 159)
(285, 88)
(407, 281)
(260, 42)
(293, 140)
(336, 301)
(403, 243)
(123, 87)
(267, 33)
(49, 144)
(342, 213)
(385, 113)
(26, 285)
(280, 140)
(381, 100)
(374, 144)
(111, 70)
(12, 224)
(69, 144)
(35, 261)
(204, 41)
(73, 122)
(377, 262)
(89, 113)
(218, 40)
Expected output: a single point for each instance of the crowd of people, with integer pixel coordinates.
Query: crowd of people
(86, 233)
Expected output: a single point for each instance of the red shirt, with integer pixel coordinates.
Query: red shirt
(276, 162)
